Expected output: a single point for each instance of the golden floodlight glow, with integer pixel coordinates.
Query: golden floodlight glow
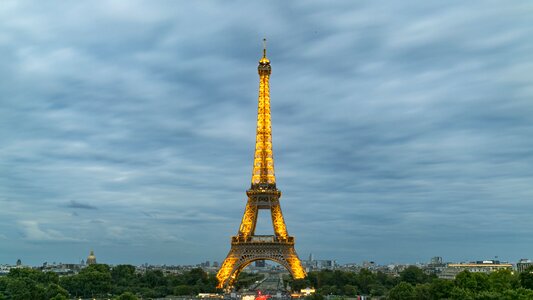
(246, 247)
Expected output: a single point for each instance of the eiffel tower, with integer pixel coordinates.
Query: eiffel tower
(246, 246)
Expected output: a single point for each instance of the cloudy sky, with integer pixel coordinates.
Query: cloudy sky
(402, 130)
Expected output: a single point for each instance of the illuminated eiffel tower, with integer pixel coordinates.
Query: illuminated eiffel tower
(247, 247)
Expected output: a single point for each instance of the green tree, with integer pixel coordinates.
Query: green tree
(365, 280)
(475, 282)
(458, 293)
(23, 288)
(196, 275)
(94, 280)
(377, 289)
(127, 296)
(123, 274)
(321, 278)
(328, 290)
(102, 268)
(47, 277)
(350, 290)
(402, 291)
(59, 297)
(155, 278)
(488, 295)
(124, 279)
(26, 283)
(502, 280)
(526, 278)
(517, 294)
(183, 290)
(19, 288)
(298, 284)
(3, 283)
(32, 275)
(55, 290)
(386, 280)
(422, 292)
(413, 275)
(441, 288)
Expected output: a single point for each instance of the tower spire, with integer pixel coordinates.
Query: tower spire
(264, 60)
(264, 48)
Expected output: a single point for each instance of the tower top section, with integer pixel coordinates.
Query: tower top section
(263, 169)
(264, 63)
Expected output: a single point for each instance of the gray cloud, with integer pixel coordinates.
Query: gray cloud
(395, 126)
(34, 232)
(76, 204)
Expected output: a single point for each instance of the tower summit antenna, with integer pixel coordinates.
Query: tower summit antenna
(264, 47)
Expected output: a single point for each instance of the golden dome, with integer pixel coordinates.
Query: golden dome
(91, 259)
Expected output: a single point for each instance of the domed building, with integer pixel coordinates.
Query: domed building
(91, 259)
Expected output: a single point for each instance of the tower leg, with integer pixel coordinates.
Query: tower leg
(280, 229)
(249, 220)
(227, 269)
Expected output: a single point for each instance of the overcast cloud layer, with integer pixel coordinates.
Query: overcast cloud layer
(402, 129)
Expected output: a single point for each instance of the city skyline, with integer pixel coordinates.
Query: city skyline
(401, 131)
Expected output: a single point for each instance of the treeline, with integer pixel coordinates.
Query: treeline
(122, 283)
(414, 284)
(102, 281)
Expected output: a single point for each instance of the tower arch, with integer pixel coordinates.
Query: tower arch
(240, 267)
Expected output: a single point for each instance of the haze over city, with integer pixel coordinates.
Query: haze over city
(401, 130)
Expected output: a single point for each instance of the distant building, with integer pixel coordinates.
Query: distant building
(60, 268)
(437, 260)
(205, 264)
(523, 264)
(486, 266)
(328, 264)
(319, 264)
(4, 270)
(368, 264)
(260, 264)
(19, 262)
(435, 266)
(91, 259)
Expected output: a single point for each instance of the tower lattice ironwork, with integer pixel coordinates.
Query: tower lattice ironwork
(247, 247)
